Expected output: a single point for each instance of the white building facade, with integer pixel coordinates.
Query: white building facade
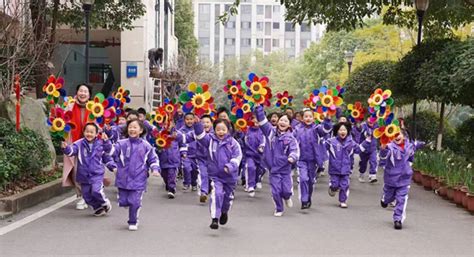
(260, 25)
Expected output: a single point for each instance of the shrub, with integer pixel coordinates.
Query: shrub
(465, 137)
(21, 154)
(427, 123)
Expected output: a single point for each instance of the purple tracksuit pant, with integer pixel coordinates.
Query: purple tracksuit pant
(169, 177)
(400, 195)
(222, 196)
(368, 158)
(253, 172)
(190, 170)
(340, 182)
(307, 178)
(282, 188)
(94, 195)
(204, 177)
(133, 200)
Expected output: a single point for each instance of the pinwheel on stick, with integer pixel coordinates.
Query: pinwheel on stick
(284, 100)
(54, 89)
(258, 90)
(102, 111)
(60, 122)
(197, 99)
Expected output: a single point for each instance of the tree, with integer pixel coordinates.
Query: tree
(184, 29)
(368, 77)
(463, 74)
(442, 15)
(436, 83)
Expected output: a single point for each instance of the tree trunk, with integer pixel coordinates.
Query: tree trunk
(441, 128)
(38, 21)
(54, 22)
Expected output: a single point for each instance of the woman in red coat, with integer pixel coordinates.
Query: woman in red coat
(79, 119)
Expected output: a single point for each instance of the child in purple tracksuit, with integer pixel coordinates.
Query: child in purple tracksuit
(398, 156)
(224, 156)
(254, 146)
(280, 153)
(369, 156)
(201, 157)
(170, 161)
(134, 157)
(309, 136)
(189, 162)
(91, 154)
(341, 147)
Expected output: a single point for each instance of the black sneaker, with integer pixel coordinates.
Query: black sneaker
(304, 205)
(243, 183)
(203, 198)
(223, 219)
(99, 212)
(397, 224)
(170, 195)
(384, 205)
(214, 224)
(309, 204)
(108, 207)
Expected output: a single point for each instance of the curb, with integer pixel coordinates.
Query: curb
(15, 203)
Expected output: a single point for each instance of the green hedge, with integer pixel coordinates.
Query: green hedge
(465, 138)
(22, 155)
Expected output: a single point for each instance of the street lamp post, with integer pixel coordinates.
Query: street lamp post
(421, 7)
(87, 7)
(349, 57)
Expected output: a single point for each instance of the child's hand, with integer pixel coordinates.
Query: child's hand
(183, 156)
(155, 174)
(108, 127)
(105, 137)
(383, 147)
(260, 149)
(368, 139)
(115, 171)
(63, 145)
(226, 170)
(291, 160)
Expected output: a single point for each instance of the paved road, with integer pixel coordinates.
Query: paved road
(179, 227)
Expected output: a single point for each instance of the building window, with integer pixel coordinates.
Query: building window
(276, 9)
(276, 25)
(276, 43)
(230, 41)
(289, 27)
(227, 7)
(259, 26)
(230, 25)
(268, 28)
(204, 12)
(268, 45)
(98, 73)
(217, 11)
(259, 9)
(204, 41)
(246, 25)
(305, 27)
(289, 43)
(204, 25)
(260, 42)
(268, 11)
(246, 9)
(245, 42)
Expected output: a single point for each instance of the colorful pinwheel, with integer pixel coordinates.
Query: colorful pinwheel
(241, 116)
(356, 112)
(235, 89)
(59, 122)
(380, 104)
(67, 100)
(309, 102)
(162, 139)
(54, 89)
(388, 129)
(258, 90)
(122, 95)
(197, 99)
(284, 100)
(102, 111)
(328, 100)
(170, 106)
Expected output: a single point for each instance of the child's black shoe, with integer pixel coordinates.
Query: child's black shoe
(214, 224)
(384, 205)
(305, 205)
(397, 224)
(223, 219)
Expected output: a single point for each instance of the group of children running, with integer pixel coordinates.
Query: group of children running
(212, 156)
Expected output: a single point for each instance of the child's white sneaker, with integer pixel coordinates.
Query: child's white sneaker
(259, 185)
(133, 227)
(81, 204)
(251, 192)
(361, 178)
(372, 178)
(331, 192)
(108, 206)
(278, 214)
(289, 203)
(343, 205)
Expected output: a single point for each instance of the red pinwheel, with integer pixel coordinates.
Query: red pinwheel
(284, 100)
(59, 122)
(258, 90)
(54, 89)
(197, 99)
(102, 111)
(163, 139)
(356, 112)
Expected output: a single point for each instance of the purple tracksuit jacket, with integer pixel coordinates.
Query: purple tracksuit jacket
(397, 175)
(202, 160)
(170, 160)
(221, 154)
(254, 143)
